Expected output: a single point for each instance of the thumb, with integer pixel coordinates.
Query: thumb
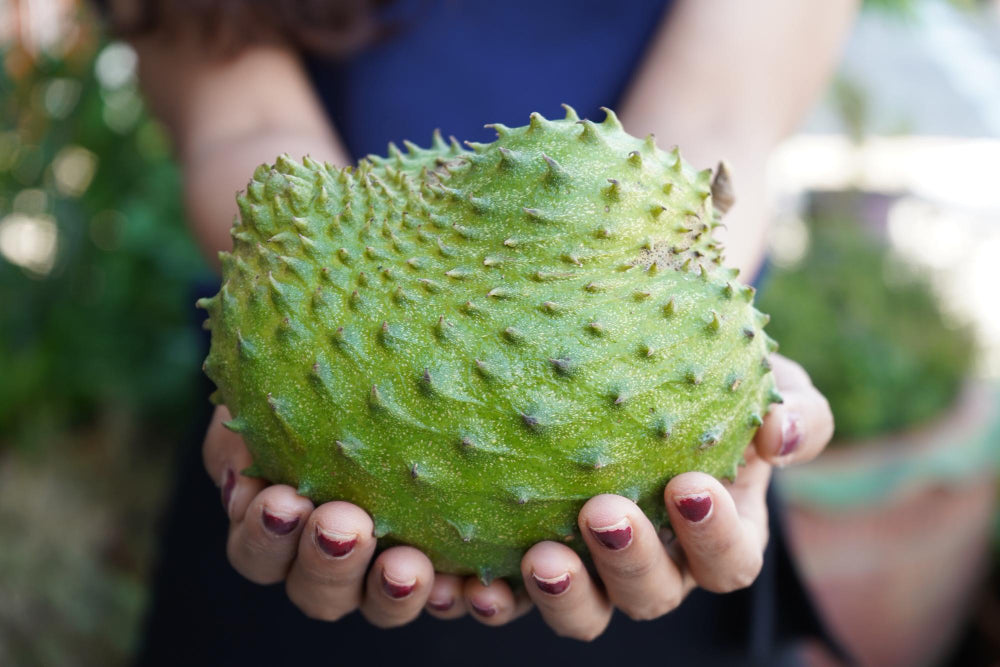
(225, 455)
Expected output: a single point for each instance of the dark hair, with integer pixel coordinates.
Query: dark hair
(325, 27)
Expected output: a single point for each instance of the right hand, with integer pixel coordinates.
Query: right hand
(323, 554)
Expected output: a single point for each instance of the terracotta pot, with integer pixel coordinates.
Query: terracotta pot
(893, 535)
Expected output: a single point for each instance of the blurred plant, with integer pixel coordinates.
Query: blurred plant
(99, 353)
(96, 267)
(905, 8)
(868, 329)
(850, 100)
(77, 533)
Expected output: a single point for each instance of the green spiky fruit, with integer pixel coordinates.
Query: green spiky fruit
(469, 344)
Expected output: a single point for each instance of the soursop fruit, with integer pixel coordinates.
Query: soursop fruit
(469, 343)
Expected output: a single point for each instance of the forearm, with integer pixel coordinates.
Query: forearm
(228, 115)
(213, 176)
(729, 79)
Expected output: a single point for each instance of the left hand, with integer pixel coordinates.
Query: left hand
(719, 533)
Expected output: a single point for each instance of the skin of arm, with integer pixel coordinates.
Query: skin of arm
(729, 79)
(764, 66)
(228, 115)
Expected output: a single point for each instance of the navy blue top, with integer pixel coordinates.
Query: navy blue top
(455, 66)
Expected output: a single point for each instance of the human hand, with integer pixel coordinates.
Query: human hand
(719, 530)
(324, 553)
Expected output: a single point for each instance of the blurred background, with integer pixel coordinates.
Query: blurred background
(885, 261)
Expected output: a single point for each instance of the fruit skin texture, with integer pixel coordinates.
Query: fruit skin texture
(469, 344)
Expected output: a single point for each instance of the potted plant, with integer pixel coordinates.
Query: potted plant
(892, 524)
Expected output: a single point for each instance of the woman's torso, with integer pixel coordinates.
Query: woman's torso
(455, 66)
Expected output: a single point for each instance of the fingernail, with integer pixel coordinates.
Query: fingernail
(333, 544)
(279, 525)
(552, 585)
(791, 434)
(228, 484)
(485, 612)
(695, 507)
(441, 606)
(395, 589)
(616, 537)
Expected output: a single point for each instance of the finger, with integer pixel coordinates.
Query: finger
(262, 546)
(397, 587)
(723, 543)
(491, 605)
(798, 429)
(749, 493)
(446, 599)
(327, 577)
(222, 447)
(567, 597)
(638, 575)
(225, 455)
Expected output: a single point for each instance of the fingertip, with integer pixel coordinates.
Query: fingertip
(262, 545)
(788, 372)
(445, 600)
(550, 567)
(569, 600)
(283, 494)
(695, 507)
(606, 510)
(549, 560)
(719, 533)
(797, 430)
(281, 509)
(341, 516)
(691, 483)
(224, 454)
(768, 441)
(491, 605)
(611, 522)
(695, 497)
(339, 529)
(823, 422)
(237, 492)
(403, 568)
(398, 584)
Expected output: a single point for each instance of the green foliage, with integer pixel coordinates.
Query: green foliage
(852, 104)
(905, 8)
(106, 326)
(869, 331)
(77, 526)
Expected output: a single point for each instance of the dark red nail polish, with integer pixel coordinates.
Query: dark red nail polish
(396, 590)
(485, 612)
(790, 435)
(553, 586)
(694, 508)
(278, 525)
(441, 606)
(228, 484)
(336, 545)
(614, 537)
